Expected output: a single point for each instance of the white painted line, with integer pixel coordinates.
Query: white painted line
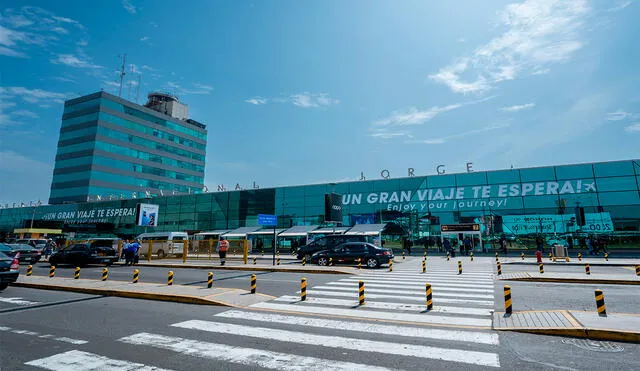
(243, 356)
(430, 275)
(481, 283)
(4, 328)
(420, 351)
(368, 327)
(83, 361)
(439, 287)
(18, 301)
(71, 341)
(413, 283)
(371, 314)
(46, 336)
(354, 294)
(386, 305)
(25, 332)
(436, 293)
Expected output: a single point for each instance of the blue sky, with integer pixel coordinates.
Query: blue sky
(305, 92)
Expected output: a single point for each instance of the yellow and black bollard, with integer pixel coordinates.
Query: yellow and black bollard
(136, 274)
(471, 255)
(550, 256)
(304, 261)
(541, 268)
(606, 256)
(52, 271)
(459, 267)
(499, 266)
(303, 289)
(522, 256)
(579, 257)
(507, 300)
(209, 280)
(330, 262)
(425, 253)
(255, 260)
(424, 266)
(170, 278)
(429, 296)
(403, 257)
(278, 259)
(359, 263)
(602, 309)
(253, 283)
(361, 292)
(587, 269)
(29, 270)
(390, 265)
(76, 275)
(448, 256)
(497, 257)
(637, 270)
(105, 274)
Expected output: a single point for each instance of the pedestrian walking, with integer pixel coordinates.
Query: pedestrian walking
(222, 248)
(467, 245)
(590, 246)
(503, 245)
(123, 252)
(48, 249)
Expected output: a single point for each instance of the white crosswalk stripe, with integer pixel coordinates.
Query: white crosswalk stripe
(397, 297)
(441, 287)
(436, 293)
(413, 282)
(83, 361)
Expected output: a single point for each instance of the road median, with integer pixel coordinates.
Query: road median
(604, 279)
(250, 267)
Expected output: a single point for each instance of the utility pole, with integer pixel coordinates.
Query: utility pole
(122, 73)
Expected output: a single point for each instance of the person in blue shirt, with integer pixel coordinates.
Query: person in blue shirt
(132, 253)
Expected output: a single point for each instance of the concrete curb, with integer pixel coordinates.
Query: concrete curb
(185, 299)
(248, 267)
(573, 263)
(586, 333)
(573, 280)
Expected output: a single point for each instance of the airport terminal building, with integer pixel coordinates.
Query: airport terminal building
(595, 198)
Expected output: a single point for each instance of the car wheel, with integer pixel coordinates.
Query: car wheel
(323, 261)
(3, 285)
(161, 254)
(372, 263)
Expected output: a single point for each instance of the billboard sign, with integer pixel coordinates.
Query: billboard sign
(147, 215)
(267, 220)
(333, 208)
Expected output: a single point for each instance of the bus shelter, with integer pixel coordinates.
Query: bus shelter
(296, 236)
(262, 240)
(456, 233)
(373, 232)
(237, 238)
(321, 232)
(205, 242)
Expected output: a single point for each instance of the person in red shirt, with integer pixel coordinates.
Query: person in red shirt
(223, 246)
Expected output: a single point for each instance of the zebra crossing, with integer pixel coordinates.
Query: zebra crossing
(393, 321)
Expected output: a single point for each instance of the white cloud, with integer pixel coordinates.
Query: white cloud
(65, 20)
(60, 30)
(63, 79)
(633, 128)
(617, 115)
(539, 33)
(444, 139)
(203, 86)
(257, 100)
(82, 43)
(11, 53)
(73, 61)
(144, 38)
(153, 24)
(518, 107)
(415, 116)
(128, 6)
(388, 135)
(620, 5)
(25, 113)
(198, 89)
(148, 68)
(12, 161)
(34, 95)
(312, 100)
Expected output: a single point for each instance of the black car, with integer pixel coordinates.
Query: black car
(327, 242)
(84, 253)
(28, 254)
(9, 270)
(348, 253)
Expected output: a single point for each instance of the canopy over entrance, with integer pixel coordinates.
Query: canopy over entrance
(298, 231)
(241, 232)
(366, 229)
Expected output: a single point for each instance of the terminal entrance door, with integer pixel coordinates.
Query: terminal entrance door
(459, 232)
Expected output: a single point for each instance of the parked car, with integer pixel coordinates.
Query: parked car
(28, 254)
(84, 253)
(348, 253)
(9, 270)
(37, 243)
(327, 242)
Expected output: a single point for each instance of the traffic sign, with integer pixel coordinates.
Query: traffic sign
(267, 219)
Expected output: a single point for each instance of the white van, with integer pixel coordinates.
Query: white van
(164, 243)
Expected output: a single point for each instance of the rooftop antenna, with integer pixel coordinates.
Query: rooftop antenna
(131, 82)
(122, 73)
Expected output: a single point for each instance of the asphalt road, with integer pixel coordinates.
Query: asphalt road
(59, 330)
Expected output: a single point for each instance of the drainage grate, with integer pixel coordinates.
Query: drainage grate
(598, 346)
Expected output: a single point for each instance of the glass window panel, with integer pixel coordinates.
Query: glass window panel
(537, 202)
(619, 198)
(361, 187)
(625, 183)
(385, 185)
(613, 169)
(82, 106)
(574, 171)
(537, 174)
(503, 176)
(445, 180)
(79, 119)
(471, 179)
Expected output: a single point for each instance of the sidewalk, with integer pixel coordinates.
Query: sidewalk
(584, 324)
(599, 261)
(239, 266)
(594, 278)
(149, 291)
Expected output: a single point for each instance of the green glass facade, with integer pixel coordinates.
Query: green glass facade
(109, 147)
(518, 202)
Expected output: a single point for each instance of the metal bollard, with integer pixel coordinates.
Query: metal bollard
(253, 283)
(541, 268)
(429, 296)
(304, 261)
(522, 256)
(278, 259)
(29, 270)
(579, 257)
(361, 292)
(587, 269)
(459, 267)
(209, 280)
(52, 271)
(303, 289)
(403, 257)
(105, 274)
(136, 274)
(602, 309)
(507, 300)
(390, 265)
(76, 275)
(424, 266)
(255, 260)
(471, 255)
(637, 270)
(170, 278)
(499, 268)
(606, 256)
